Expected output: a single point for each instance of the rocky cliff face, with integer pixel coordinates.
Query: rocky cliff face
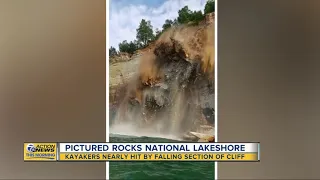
(172, 90)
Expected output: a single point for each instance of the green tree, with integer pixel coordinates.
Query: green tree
(186, 16)
(137, 44)
(167, 24)
(209, 7)
(175, 22)
(145, 32)
(123, 46)
(112, 51)
(158, 33)
(197, 16)
(130, 47)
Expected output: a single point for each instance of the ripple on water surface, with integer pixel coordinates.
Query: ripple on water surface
(158, 170)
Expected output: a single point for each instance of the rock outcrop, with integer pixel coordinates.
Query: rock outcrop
(172, 89)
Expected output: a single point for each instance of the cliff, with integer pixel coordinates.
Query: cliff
(169, 85)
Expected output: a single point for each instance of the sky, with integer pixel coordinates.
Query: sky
(125, 15)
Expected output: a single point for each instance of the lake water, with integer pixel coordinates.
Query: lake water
(158, 170)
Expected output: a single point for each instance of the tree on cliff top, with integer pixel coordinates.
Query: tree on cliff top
(158, 33)
(197, 16)
(185, 15)
(130, 47)
(209, 7)
(167, 24)
(112, 51)
(145, 32)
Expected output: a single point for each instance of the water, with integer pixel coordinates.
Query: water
(158, 170)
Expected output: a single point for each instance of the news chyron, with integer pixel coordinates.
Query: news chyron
(40, 152)
(183, 151)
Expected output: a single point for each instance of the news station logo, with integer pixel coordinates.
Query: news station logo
(40, 151)
(31, 148)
